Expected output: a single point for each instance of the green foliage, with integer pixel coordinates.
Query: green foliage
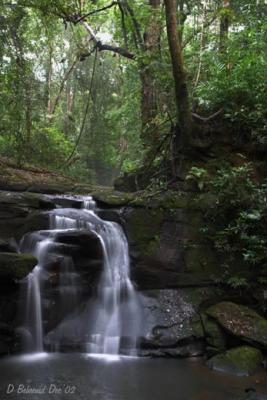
(238, 217)
(237, 282)
(199, 175)
(236, 81)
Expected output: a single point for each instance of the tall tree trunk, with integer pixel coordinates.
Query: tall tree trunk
(184, 117)
(224, 23)
(149, 93)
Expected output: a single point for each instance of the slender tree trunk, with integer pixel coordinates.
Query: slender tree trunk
(184, 117)
(62, 85)
(151, 47)
(49, 74)
(224, 24)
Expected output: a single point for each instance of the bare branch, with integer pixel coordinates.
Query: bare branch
(83, 17)
(101, 46)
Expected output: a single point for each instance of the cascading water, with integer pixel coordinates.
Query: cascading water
(109, 323)
(117, 306)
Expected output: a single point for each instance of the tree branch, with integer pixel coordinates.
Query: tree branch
(208, 23)
(101, 46)
(207, 119)
(136, 25)
(82, 18)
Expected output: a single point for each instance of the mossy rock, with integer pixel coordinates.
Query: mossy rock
(241, 361)
(112, 198)
(240, 321)
(144, 228)
(215, 337)
(200, 258)
(15, 266)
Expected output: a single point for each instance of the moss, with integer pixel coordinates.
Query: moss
(241, 361)
(215, 337)
(240, 321)
(144, 228)
(111, 197)
(200, 258)
(16, 266)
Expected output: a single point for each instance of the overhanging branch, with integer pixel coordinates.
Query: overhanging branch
(83, 17)
(102, 46)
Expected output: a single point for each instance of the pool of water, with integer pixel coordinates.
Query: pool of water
(80, 377)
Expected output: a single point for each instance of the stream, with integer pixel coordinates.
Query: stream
(83, 377)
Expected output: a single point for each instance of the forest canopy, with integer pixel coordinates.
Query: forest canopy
(96, 88)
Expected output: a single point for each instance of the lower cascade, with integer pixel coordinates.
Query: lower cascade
(107, 323)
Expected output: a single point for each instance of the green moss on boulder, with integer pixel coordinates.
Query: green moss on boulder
(241, 361)
(240, 321)
(15, 266)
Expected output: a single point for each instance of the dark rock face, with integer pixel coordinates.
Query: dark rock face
(13, 268)
(242, 361)
(8, 246)
(241, 321)
(86, 252)
(165, 250)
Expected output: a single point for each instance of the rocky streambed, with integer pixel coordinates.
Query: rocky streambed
(185, 312)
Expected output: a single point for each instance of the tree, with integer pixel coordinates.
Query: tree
(150, 90)
(184, 117)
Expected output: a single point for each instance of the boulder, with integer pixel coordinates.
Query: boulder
(240, 321)
(216, 338)
(241, 361)
(169, 318)
(87, 242)
(14, 267)
(66, 202)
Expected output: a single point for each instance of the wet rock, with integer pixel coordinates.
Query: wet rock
(88, 242)
(66, 202)
(26, 200)
(8, 246)
(110, 215)
(241, 322)
(194, 349)
(241, 361)
(35, 221)
(215, 337)
(169, 318)
(14, 267)
(7, 339)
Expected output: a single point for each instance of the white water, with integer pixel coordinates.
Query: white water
(117, 306)
(114, 316)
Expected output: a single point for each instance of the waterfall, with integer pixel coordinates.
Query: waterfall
(117, 306)
(112, 315)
